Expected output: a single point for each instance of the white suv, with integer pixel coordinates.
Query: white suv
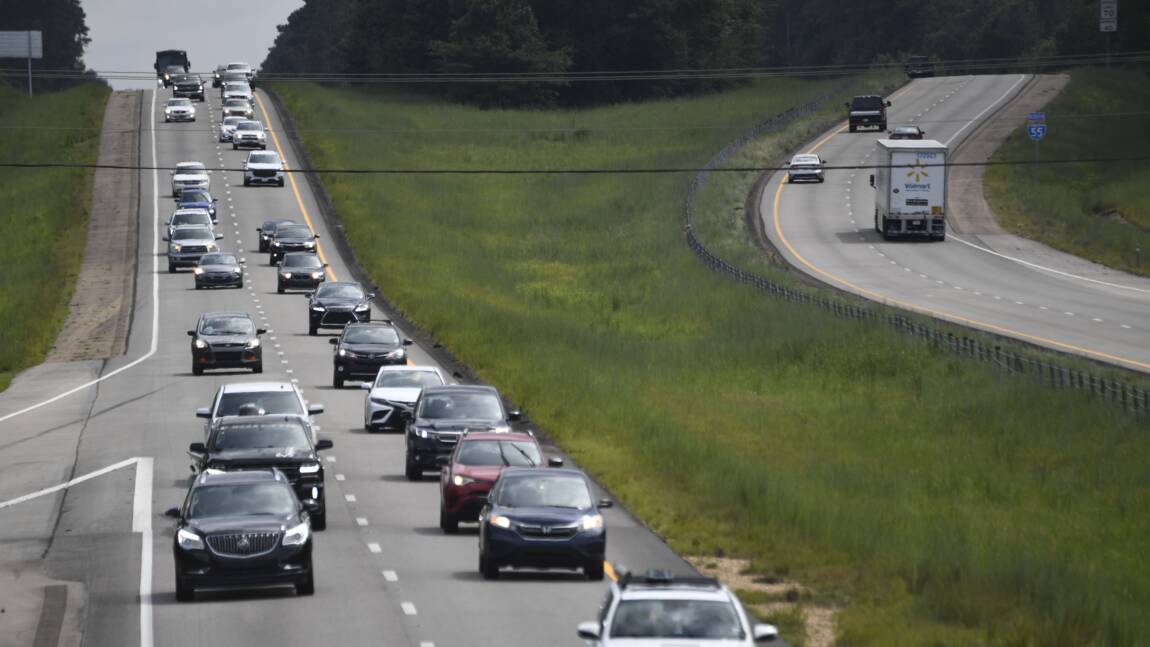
(263, 167)
(660, 608)
(258, 398)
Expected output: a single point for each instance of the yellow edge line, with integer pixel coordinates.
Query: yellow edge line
(942, 314)
(610, 571)
(294, 188)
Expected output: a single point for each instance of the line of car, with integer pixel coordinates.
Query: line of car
(258, 492)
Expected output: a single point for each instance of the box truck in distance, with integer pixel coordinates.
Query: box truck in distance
(910, 188)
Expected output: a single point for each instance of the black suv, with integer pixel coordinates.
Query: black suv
(300, 270)
(262, 442)
(334, 305)
(291, 238)
(444, 413)
(268, 230)
(226, 340)
(867, 110)
(241, 529)
(188, 86)
(363, 348)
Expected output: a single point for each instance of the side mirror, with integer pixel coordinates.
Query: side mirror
(407, 342)
(888, 104)
(203, 412)
(313, 409)
(324, 443)
(872, 179)
(258, 229)
(174, 513)
(219, 236)
(261, 331)
(172, 172)
(554, 461)
(515, 415)
(243, 260)
(333, 341)
(765, 633)
(197, 448)
(215, 199)
(191, 333)
(588, 630)
(787, 164)
(166, 239)
(366, 386)
(315, 235)
(606, 503)
(311, 505)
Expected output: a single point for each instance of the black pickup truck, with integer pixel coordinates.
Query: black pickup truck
(919, 66)
(867, 110)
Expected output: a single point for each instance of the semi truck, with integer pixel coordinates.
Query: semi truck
(167, 60)
(910, 189)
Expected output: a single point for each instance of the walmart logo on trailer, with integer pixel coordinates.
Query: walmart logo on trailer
(918, 171)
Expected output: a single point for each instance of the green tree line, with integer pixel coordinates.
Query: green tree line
(65, 35)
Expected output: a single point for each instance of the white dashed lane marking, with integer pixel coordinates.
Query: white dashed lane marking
(361, 521)
(408, 608)
(391, 576)
(374, 547)
(350, 498)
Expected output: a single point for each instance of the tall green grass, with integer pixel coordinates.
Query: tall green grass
(44, 214)
(936, 502)
(1099, 211)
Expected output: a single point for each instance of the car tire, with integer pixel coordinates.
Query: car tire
(247, 182)
(184, 593)
(312, 330)
(307, 585)
(336, 381)
(197, 369)
(235, 148)
(412, 471)
(258, 368)
(279, 289)
(319, 520)
(281, 183)
(198, 286)
(488, 568)
(171, 269)
(594, 571)
(447, 521)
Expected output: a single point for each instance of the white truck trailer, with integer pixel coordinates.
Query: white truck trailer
(910, 188)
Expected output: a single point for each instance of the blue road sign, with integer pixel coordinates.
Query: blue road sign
(1036, 116)
(1036, 131)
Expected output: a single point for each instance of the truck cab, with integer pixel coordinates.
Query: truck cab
(170, 58)
(867, 110)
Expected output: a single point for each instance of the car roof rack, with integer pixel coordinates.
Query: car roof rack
(662, 577)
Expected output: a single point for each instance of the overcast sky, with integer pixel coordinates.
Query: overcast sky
(127, 33)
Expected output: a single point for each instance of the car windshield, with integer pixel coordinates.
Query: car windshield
(195, 196)
(295, 231)
(302, 260)
(179, 102)
(509, 453)
(190, 167)
(264, 158)
(227, 326)
(867, 103)
(371, 335)
(545, 491)
(243, 67)
(289, 436)
(461, 406)
(191, 233)
(237, 87)
(244, 500)
(236, 103)
(270, 402)
(191, 218)
(218, 259)
(677, 619)
(332, 291)
(407, 379)
(248, 125)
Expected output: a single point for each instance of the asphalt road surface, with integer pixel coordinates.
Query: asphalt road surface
(1018, 289)
(385, 573)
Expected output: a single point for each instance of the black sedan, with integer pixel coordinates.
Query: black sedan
(335, 305)
(268, 230)
(907, 132)
(226, 340)
(197, 199)
(291, 238)
(363, 348)
(542, 518)
(243, 528)
(219, 270)
(263, 442)
(300, 270)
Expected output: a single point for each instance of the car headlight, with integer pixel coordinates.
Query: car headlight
(297, 535)
(317, 308)
(201, 343)
(189, 540)
(212, 247)
(286, 275)
(310, 468)
(361, 307)
(382, 401)
(317, 275)
(255, 343)
(277, 244)
(197, 270)
(424, 433)
(499, 521)
(309, 244)
(591, 522)
(461, 480)
(176, 247)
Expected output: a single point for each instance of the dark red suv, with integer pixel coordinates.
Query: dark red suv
(474, 466)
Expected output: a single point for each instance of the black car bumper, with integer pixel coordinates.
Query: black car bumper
(231, 357)
(363, 368)
(304, 281)
(283, 566)
(507, 547)
(219, 279)
(430, 453)
(337, 318)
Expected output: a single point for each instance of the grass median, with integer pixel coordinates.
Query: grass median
(1099, 211)
(931, 500)
(44, 215)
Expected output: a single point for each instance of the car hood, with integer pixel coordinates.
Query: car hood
(291, 239)
(263, 457)
(180, 108)
(220, 268)
(226, 339)
(478, 472)
(330, 302)
(544, 515)
(229, 127)
(371, 348)
(194, 241)
(865, 111)
(180, 177)
(673, 642)
(406, 395)
(460, 425)
(197, 205)
(246, 523)
(253, 166)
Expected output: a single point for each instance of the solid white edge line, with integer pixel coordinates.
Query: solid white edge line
(63, 486)
(142, 523)
(155, 289)
(1021, 78)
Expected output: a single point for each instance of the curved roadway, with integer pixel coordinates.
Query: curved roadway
(1026, 292)
(385, 573)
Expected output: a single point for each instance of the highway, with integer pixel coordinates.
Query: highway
(1000, 284)
(385, 573)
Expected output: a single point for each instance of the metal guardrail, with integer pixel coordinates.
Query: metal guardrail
(1131, 398)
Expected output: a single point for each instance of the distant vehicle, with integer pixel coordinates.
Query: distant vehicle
(262, 167)
(268, 229)
(170, 58)
(237, 108)
(226, 340)
(190, 175)
(291, 238)
(188, 86)
(906, 132)
(440, 417)
(475, 465)
(299, 270)
(910, 189)
(243, 68)
(179, 110)
(245, 528)
(236, 90)
(186, 217)
(258, 398)
(197, 199)
(250, 134)
(261, 442)
(806, 167)
(234, 77)
(542, 518)
(867, 111)
(391, 397)
(228, 127)
(188, 243)
(217, 74)
(219, 269)
(661, 608)
(363, 348)
(336, 304)
(919, 66)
